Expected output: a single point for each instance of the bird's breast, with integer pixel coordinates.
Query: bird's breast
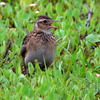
(37, 51)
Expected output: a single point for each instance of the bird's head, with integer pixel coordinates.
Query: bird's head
(44, 24)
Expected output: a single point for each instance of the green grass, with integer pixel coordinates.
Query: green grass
(77, 58)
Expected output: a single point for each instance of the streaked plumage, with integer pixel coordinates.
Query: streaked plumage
(39, 43)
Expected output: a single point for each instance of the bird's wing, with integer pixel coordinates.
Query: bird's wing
(25, 41)
(28, 37)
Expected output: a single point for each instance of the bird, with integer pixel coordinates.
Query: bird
(40, 43)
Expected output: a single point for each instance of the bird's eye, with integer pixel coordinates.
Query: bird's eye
(44, 21)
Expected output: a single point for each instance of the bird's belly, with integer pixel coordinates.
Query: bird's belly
(47, 52)
(34, 55)
(49, 56)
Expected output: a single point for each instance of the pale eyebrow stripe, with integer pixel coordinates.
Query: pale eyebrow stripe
(42, 20)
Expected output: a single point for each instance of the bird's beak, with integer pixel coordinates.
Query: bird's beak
(53, 26)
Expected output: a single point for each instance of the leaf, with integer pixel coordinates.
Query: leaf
(78, 25)
(17, 24)
(30, 68)
(7, 11)
(1, 38)
(44, 89)
(68, 4)
(60, 66)
(82, 70)
(27, 2)
(92, 4)
(93, 38)
(26, 16)
(6, 73)
(1, 25)
(25, 90)
(19, 89)
(18, 70)
(51, 96)
(43, 80)
(85, 10)
(97, 52)
(13, 78)
(65, 14)
(24, 98)
(58, 73)
(3, 31)
(49, 8)
(20, 15)
(11, 55)
(30, 27)
(59, 8)
(70, 13)
(83, 28)
(76, 13)
(62, 45)
(7, 22)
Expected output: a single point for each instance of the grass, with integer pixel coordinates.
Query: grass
(75, 72)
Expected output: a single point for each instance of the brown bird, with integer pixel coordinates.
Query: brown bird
(39, 43)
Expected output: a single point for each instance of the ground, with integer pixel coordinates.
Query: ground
(75, 71)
